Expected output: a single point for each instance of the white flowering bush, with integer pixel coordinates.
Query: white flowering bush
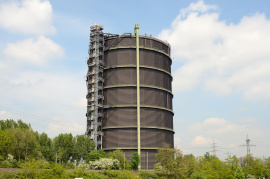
(104, 163)
(84, 165)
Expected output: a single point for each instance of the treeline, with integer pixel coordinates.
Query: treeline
(42, 157)
(176, 165)
(18, 143)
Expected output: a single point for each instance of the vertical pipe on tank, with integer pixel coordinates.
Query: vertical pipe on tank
(136, 32)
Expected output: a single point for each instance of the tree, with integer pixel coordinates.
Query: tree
(10, 123)
(232, 161)
(95, 155)
(185, 164)
(46, 147)
(7, 140)
(118, 154)
(211, 167)
(135, 161)
(64, 145)
(165, 156)
(239, 174)
(83, 145)
(25, 143)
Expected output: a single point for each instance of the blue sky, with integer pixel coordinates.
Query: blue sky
(221, 65)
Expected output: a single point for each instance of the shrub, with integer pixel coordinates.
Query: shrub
(198, 175)
(157, 167)
(30, 169)
(69, 165)
(148, 175)
(58, 171)
(127, 175)
(119, 155)
(104, 163)
(95, 155)
(124, 174)
(135, 161)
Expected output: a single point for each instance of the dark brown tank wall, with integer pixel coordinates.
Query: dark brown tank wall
(120, 96)
(127, 76)
(128, 96)
(128, 117)
(127, 56)
(127, 138)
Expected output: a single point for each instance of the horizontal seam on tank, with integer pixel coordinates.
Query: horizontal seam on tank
(131, 148)
(143, 106)
(142, 66)
(142, 127)
(141, 47)
(143, 86)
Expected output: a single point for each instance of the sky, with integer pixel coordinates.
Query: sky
(221, 66)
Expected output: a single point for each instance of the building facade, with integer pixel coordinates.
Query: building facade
(124, 113)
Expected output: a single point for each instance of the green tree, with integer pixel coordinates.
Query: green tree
(95, 155)
(135, 161)
(83, 145)
(165, 156)
(64, 145)
(232, 161)
(239, 174)
(118, 154)
(46, 147)
(26, 144)
(10, 123)
(7, 140)
(185, 164)
(212, 167)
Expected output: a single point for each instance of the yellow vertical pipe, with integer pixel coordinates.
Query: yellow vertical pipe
(136, 32)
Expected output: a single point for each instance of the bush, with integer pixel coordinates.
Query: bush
(104, 163)
(157, 167)
(119, 155)
(69, 165)
(148, 175)
(127, 175)
(30, 169)
(198, 175)
(8, 175)
(135, 161)
(58, 171)
(124, 174)
(95, 155)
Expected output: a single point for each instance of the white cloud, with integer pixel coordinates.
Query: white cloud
(215, 126)
(80, 102)
(199, 7)
(27, 16)
(34, 52)
(228, 136)
(218, 57)
(201, 141)
(37, 97)
(62, 126)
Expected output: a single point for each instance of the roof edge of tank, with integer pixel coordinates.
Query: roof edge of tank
(126, 35)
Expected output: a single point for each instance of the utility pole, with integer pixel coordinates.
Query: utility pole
(214, 148)
(248, 145)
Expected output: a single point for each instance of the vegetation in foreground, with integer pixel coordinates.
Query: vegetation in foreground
(68, 156)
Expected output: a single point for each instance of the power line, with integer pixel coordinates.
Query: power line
(214, 148)
(248, 145)
(40, 118)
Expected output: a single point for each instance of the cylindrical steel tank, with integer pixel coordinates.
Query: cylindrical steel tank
(119, 125)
